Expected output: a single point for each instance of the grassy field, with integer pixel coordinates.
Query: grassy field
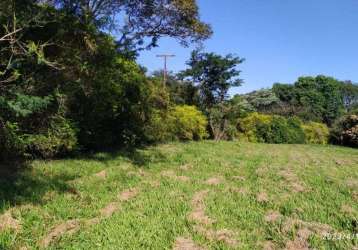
(199, 195)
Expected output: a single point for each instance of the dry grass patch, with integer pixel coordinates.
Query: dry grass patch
(262, 197)
(214, 181)
(7, 222)
(171, 174)
(272, 216)
(186, 244)
(198, 213)
(294, 182)
(68, 227)
(268, 245)
(224, 235)
(109, 210)
(128, 194)
(101, 175)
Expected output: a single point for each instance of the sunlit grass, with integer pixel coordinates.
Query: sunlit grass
(314, 185)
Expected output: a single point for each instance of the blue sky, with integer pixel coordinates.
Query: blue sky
(280, 39)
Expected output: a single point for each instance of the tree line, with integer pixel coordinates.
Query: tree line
(69, 82)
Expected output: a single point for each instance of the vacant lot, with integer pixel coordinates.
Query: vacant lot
(202, 195)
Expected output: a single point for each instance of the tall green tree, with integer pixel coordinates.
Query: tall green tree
(139, 24)
(214, 75)
(312, 98)
(64, 77)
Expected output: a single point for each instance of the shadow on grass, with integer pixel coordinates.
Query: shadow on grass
(139, 156)
(20, 183)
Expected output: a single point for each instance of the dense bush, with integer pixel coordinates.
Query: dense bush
(188, 123)
(59, 140)
(271, 129)
(177, 123)
(11, 143)
(345, 131)
(247, 126)
(316, 133)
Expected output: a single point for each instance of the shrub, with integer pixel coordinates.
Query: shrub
(316, 133)
(345, 131)
(159, 127)
(60, 139)
(12, 144)
(177, 123)
(188, 123)
(271, 129)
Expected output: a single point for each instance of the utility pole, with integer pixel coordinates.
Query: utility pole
(165, 57)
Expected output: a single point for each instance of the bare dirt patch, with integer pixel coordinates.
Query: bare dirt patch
(214, 180)
(241, 190)
(154, 183)
(68, 227)
(185, 244)
(8, 222)
(347, 209)
(268, 245)
(128, 194)
(301, 240)
(224, 235)
(203, 222)
(109, 210)
(171, 174)
(297, 245)
(313, 227)
(101, 175)
(262, 197)
(352, 183)
(186, 167)
(198, 213)
(272, 216)
(293, 181)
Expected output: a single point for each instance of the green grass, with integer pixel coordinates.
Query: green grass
(309, 184)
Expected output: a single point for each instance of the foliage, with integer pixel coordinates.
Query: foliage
(222, 120)
(12, 144)
(180, 92)
(188, 123)
(261, 100)
(349, 92)
(312, 99)
(214, 75)
(180, 122)
(316, 133)
(345, 131)
(271, 129)
(66, 82)
(59, 140)
(143, 21)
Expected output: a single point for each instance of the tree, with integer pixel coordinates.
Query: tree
(64, 79)
(311, 98)
(140, 23)
(214, 75)
(180, 91)
(263, 100)
(349, 92)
